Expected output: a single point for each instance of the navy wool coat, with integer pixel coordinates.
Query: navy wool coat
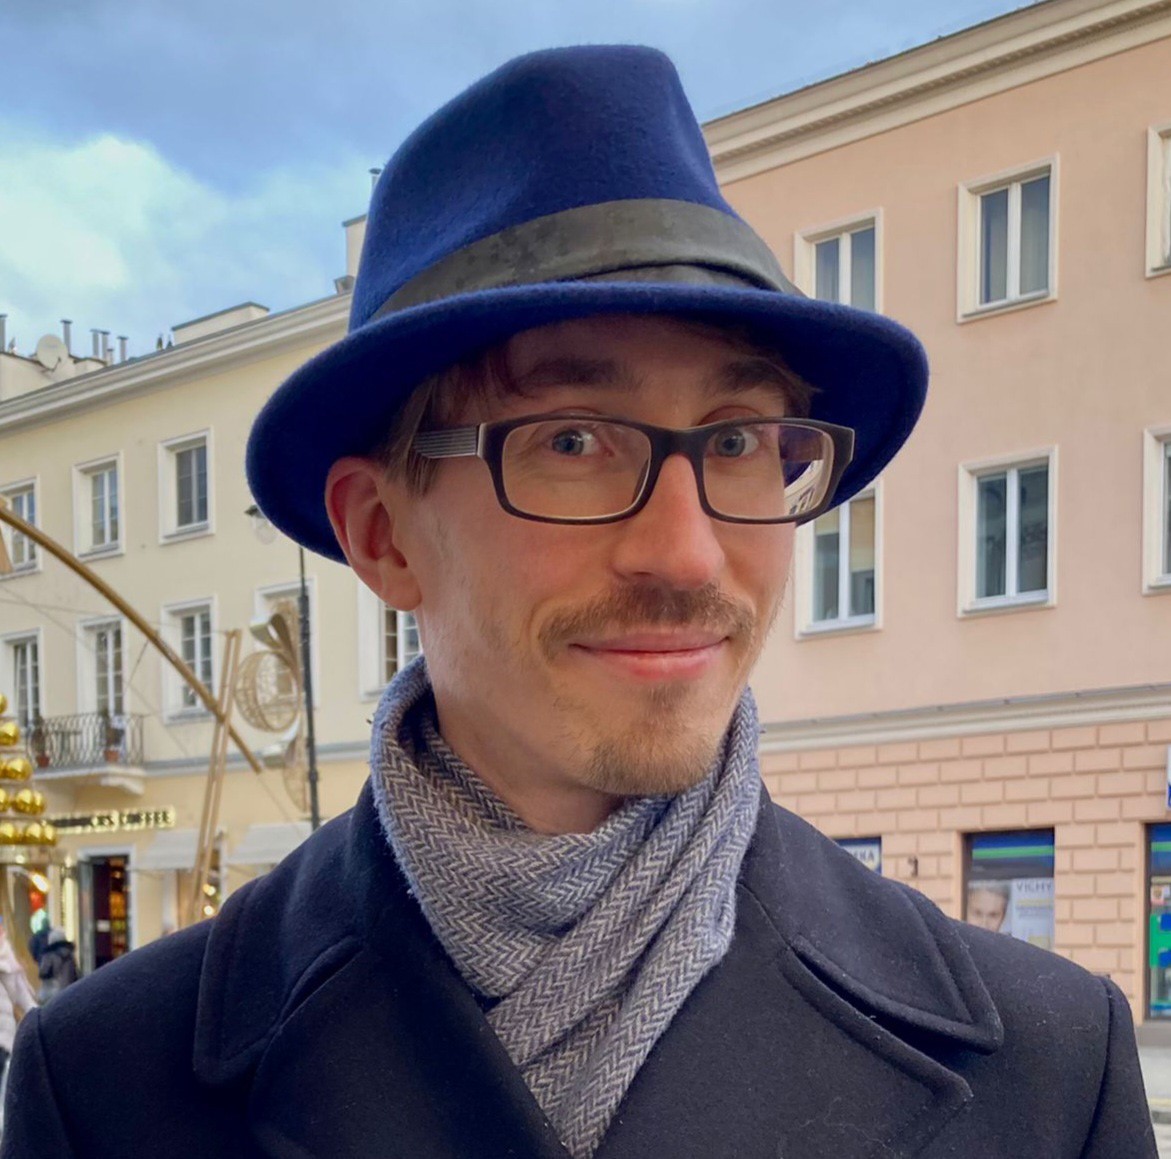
(318, 1018)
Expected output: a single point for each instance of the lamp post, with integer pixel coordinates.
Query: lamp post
(266, 533)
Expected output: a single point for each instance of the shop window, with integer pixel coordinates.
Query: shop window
(1009, 879)
(867, 850)
(104, 883)
(1159, 923)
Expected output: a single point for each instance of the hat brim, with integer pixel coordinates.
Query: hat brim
(869, 373)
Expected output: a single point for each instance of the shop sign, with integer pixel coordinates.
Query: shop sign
(114, 821)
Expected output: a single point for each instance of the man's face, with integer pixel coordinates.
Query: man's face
(987, 908)
(605, 658)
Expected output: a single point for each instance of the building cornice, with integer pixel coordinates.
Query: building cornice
(1010, 714)
(1012, 50)
(318, 322)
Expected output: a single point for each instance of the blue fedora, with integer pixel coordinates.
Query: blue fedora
(568, 182)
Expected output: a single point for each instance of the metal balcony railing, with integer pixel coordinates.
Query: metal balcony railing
(86, 740)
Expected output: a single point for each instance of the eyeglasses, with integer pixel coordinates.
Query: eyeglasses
(590, 469)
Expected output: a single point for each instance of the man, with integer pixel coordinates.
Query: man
(578, 415)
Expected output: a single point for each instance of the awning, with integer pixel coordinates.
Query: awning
(170, 849)
(267, 844)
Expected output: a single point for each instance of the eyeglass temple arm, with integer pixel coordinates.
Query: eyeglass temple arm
(450, 444)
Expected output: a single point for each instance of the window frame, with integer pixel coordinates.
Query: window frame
(170, 530)
(83, 473)
(401, 660)
(804, 562)
(970, 473)
(9, 642)
(262, 609)
(1158, 248)
(31, 485)
(87, 682)
(371, 643)
(1156, 502)
(805, 252)
(968, 270)
(174, 686)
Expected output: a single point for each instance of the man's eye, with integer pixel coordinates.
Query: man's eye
(735, 443)
(574, 441)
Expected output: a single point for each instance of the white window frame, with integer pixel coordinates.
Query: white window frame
(87, 683)
(1156, 447)
(401, 659)
(170, 530)
(968, 304)
(36, 561)
(805, 260)
(83, 544)
(9, 642)
(805, 557)
(1158, 254)
(969, 476)
(372, 643)
(174, 685)
(261, 604)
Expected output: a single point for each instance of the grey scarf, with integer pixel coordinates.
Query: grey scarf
(585, 945)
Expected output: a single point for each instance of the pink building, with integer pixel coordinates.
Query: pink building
(971, 681)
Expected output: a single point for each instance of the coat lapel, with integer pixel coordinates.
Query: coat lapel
(784, 1052)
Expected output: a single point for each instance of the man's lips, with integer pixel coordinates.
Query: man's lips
(653, 642)
(655, 656)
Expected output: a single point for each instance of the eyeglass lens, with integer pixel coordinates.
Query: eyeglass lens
(572, 468)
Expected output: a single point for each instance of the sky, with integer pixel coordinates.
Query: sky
(164, 159)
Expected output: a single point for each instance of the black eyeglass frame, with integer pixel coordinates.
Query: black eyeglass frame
(486, 441)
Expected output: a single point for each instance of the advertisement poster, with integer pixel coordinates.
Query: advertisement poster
(1030, 915)
(1010, 885)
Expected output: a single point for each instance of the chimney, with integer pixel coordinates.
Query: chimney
(107, 349)
(96, 335)
(67, 334)
(122, 340)
(3, 331)
(374, 178)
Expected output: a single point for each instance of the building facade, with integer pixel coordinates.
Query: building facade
(968, 684)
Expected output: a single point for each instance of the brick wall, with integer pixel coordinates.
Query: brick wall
(1096, 786)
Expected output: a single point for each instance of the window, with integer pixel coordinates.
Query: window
(1010, 884)
(286, 599)
(185, 486)
(840, 263)
(867, 850)
(22, 498)
(1159, 200)
(22, 677)
(843, 562)
(1008, 523)
(189, 627)
(400, 641)
(98, 507)
(1157, 511)
(1007, 240)
(105, 644)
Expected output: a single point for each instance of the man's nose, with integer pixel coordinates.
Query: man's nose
(672, 539)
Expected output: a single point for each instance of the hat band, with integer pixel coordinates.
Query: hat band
(645, 240)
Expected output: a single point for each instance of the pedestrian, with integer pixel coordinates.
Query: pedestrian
(16, 999)
(577, 418)
(58, 966)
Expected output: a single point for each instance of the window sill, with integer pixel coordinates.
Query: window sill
(1160, 585)
(188, 715)
(104, 552)
(992, 309)
(1159, 271)
(995, 604)
(33, 568)
(838, 627)
(179, 534)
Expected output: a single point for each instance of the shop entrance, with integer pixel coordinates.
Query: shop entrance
(104, 889)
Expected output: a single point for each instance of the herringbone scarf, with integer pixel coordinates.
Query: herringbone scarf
(584, 944)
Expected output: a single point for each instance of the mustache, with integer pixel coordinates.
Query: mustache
(647, 606)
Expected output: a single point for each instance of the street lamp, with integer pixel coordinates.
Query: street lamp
(266, 533)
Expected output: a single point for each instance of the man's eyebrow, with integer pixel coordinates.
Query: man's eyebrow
(750, 373)
(569, 371)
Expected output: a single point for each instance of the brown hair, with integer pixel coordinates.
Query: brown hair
(441, 398)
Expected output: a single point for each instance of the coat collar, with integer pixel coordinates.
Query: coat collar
(324, 977)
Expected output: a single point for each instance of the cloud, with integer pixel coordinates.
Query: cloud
(111, 233)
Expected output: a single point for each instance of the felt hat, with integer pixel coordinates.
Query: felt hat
(569, 182)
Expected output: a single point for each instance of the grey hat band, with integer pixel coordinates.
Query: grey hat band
(647, 240)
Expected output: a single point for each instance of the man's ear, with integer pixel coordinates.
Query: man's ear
(363, 507)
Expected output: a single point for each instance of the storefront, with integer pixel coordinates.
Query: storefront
(1009, 884)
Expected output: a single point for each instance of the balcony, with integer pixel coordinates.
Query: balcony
(89, 747)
